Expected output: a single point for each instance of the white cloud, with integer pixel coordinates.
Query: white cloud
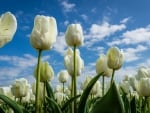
(67, 7)
(17, 67)
(97, 32)
(133, 54)
(125, 20)
(139, 35)
(84, 17)
(60, 44)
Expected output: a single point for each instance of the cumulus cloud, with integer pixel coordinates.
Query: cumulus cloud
(125, 20)
(133, 54)
(60, 45)
(136, 36)
(67, 7)
(18, 66)
(97, 32)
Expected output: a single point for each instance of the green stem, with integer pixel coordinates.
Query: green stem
(72, 93)
(112, 77)
(75, 82)
(145, 104)
(103, 85)
(44, 102)
(63, 92)
(37, 100)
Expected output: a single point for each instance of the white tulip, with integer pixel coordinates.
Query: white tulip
(125, 86)
(46, 72)
(115, 58)
(69, 63)
(85, 83)
(59, 97)
(142, 73)
(101, 66)
(74, 35)
(58, 88)
(143, 87)
(20, 88)
(41, 89)
(44, 32)
(63, 76)
(8, 26)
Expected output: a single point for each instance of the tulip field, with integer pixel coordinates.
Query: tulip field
(93, 95)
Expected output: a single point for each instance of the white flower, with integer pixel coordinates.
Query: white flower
(101, 66)
(41, 89)
(44, 32)
(74, 35)
(69, 63)
(115, 58)
(20, 88)
(143, 72)
(63, 76)
(143, 87)
(8, 26)
(59, 97)
(46, 72)
(58, 88)
(125, 86)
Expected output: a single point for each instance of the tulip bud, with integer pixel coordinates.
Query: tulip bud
(143, 88)
(44, 32)
(20, 88)
(41, 89)
(63, 76)
(115, 58)
(74, 35)
(101, 66)
(142, 73)
(8, 26)
(125, 86)
(46, 72)
(69, 64)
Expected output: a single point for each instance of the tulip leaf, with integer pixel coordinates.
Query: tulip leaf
(1, 110)
(69, 102)
(84, 96)
(133, 105)
(11, 103)
(126, 103)
(110, 103)
(49, 90)
(56, 108)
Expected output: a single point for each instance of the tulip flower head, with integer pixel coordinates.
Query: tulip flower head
(20, 88)
(63, 76)
(142, 87)
(44, 32)
(8, 26)
(74, 35)
(115, 58)
(68, 61)
(46, 72)
(101, 66)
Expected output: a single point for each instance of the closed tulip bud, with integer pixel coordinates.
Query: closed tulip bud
(74, 35)
(41, 89)
(44, 32)
(63, 76)
(69, 64)
(101, 66)
(20, 88)
(142, 87)
(125, 86)
(115, 58)
(142, 73)
(85, 83)
(46, 72)
(8, 26)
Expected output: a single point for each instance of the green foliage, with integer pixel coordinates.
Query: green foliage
(110, 103)
(84, 97)
(11, 103)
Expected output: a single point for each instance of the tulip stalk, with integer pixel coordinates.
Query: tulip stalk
(37, 100)
(103, 85)
(112, 77)
(74, 87)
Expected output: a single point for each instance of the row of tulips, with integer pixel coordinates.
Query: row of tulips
(94, 97)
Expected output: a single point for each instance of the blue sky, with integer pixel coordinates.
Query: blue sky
(124, 23)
